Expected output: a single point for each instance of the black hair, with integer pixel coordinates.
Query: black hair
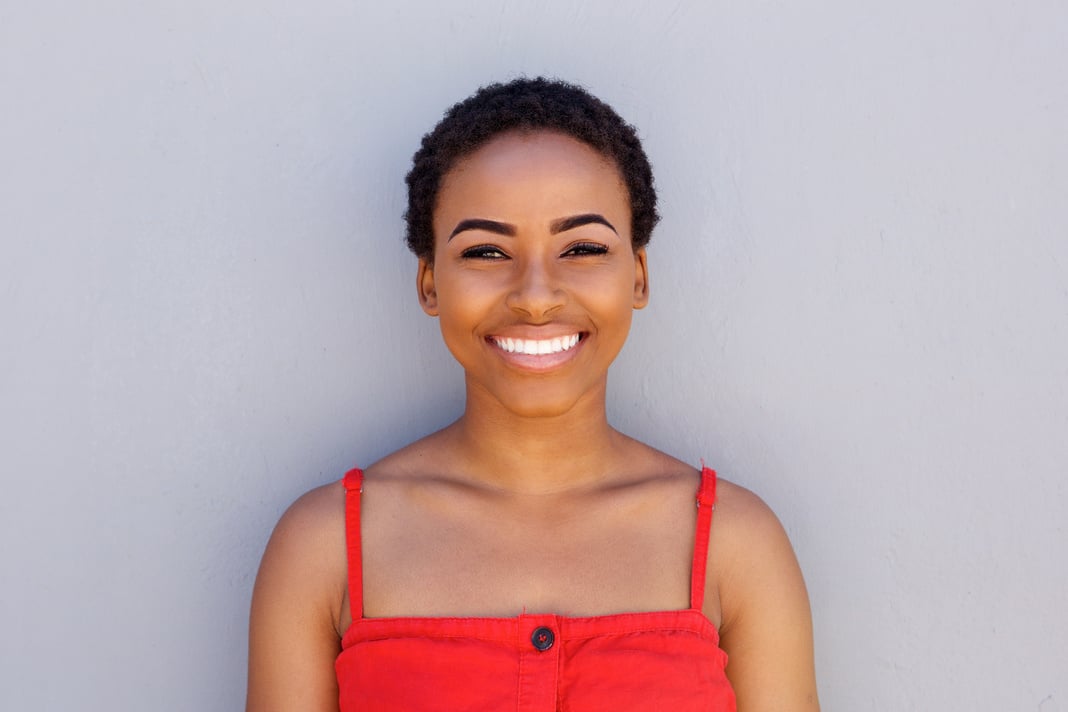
(526, 105)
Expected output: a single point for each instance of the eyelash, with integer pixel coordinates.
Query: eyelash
(483, 252)
(489, 252)
(586, 248)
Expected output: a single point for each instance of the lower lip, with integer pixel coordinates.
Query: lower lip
(539, 363)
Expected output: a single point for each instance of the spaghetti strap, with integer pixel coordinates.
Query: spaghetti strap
(706, 502)
(353, 488)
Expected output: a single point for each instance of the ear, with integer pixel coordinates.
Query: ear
(641, 279)
(424, 282)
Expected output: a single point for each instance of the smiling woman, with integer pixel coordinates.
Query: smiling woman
(529, 556)
(534, 261)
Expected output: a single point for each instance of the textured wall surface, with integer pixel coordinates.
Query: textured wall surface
(860, 311)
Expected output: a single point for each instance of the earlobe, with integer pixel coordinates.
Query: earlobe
(641, 279)
(424, 282)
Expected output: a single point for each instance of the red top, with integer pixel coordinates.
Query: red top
(667, 660)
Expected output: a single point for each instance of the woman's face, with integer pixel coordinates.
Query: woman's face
(534, 276)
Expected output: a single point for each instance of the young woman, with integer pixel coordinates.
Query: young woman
(529, 556)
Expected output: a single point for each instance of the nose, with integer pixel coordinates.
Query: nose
(536, 292)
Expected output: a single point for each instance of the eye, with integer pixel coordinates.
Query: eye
(581, 249)
(483, 252)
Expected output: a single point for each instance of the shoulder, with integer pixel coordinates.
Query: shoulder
(314, 521)
(743, 520)
(305, 558)
(748, 549)
(766, 626)
(296, 607)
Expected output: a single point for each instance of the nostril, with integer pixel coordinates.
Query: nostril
(536, 298)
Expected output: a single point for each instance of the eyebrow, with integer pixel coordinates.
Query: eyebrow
(565, 224)
(483, 224)
(556, 226)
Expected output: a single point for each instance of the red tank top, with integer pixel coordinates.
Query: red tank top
(667, 660)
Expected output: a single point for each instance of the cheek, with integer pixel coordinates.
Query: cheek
(461, 306)
(619, 295)
(622, 304)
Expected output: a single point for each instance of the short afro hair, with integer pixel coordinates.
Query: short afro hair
(526, 105)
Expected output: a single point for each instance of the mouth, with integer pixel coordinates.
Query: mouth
(537, 347)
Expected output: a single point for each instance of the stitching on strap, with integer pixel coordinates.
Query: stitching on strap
(706, 503)
(353, 488)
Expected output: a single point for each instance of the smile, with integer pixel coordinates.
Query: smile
(536, 347)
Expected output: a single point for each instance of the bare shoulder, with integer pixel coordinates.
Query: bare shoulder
(744, 523)
(316, 505)
(310, 536)
(411, 462)
(748, 550)
(766, 626)
(296, 607)
(646, 463)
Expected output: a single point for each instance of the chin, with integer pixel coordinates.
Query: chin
(542, 403)
(544, 397)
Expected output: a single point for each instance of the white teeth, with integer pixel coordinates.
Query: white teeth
(533, 347)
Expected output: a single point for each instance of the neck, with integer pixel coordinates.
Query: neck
(536, 454)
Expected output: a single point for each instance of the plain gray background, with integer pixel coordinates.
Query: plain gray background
(859, 310)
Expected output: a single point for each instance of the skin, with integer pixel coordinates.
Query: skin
(447, 521)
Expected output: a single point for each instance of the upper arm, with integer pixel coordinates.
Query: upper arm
(293, 626)
(766, 627)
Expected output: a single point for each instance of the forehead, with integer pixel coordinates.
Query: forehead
(532, 165)
(547, 142)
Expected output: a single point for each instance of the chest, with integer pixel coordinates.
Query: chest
(480, 559)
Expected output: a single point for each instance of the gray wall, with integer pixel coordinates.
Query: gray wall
(859, 310)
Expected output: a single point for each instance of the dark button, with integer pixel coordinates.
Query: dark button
(542, 638)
